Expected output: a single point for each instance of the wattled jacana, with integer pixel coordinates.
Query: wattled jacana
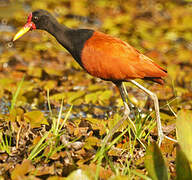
(102, 56)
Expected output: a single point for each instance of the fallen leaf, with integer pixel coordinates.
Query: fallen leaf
(35, 118)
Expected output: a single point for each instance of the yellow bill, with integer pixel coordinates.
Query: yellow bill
(22, 31)
(29, 26)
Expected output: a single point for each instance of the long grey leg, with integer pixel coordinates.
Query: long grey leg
(123, 96)
(156, 105)
(131, 106)
(126, 113)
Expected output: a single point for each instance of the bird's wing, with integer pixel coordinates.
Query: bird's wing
(112, 59)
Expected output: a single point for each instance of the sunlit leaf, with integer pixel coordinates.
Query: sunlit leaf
(35, 118)
(16, 114)
(184, 127)
(52, 71)
(34, 71)
(91, 97)
(4, 82)
(183, 170)
(78, 174)
(155, 163)
(72, 96)
(94, 87)
(90, 142)
(119, 178)
(58, 96)
(50, 85)
(105, 95)
(56, 178)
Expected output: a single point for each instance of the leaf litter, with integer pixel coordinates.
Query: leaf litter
(160, 29)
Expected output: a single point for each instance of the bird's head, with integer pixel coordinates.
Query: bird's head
(39, 19)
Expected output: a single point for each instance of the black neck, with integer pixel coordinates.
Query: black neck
(61, 33)
(71, 39)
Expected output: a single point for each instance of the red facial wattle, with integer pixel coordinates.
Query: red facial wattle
(29, 17)
(28, 26)
(30, 23)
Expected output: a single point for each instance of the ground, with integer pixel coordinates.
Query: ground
(54, 116)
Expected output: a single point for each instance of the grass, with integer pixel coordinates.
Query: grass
(5, 140)
(5, 143)
(41, 145)
(15, 95)
(55, 132)
(136, 131)
(51, 138)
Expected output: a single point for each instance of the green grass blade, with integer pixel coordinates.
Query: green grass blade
(49, 104)
(38, 147)
(14, 99)
(66, 117)
(140, 175)
(59, 119)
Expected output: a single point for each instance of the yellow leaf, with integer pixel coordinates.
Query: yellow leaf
(35, 118)
(184, 127)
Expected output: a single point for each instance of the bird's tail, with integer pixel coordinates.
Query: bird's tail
(158, 80)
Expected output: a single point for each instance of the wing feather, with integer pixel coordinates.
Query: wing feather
(110, 58)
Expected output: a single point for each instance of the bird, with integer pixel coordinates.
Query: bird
(104, 57)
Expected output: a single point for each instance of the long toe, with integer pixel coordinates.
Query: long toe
(171, 139)
(126, 112)
(161, 137)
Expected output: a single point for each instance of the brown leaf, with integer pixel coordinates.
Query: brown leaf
(43, 170)
(21, 170)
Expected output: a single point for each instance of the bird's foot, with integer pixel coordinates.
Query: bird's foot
(162, 136)
(126, 110)
(171, 139)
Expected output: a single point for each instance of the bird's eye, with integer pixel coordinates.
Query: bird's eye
(36, 18)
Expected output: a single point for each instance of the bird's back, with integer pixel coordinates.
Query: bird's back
(110, 58)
